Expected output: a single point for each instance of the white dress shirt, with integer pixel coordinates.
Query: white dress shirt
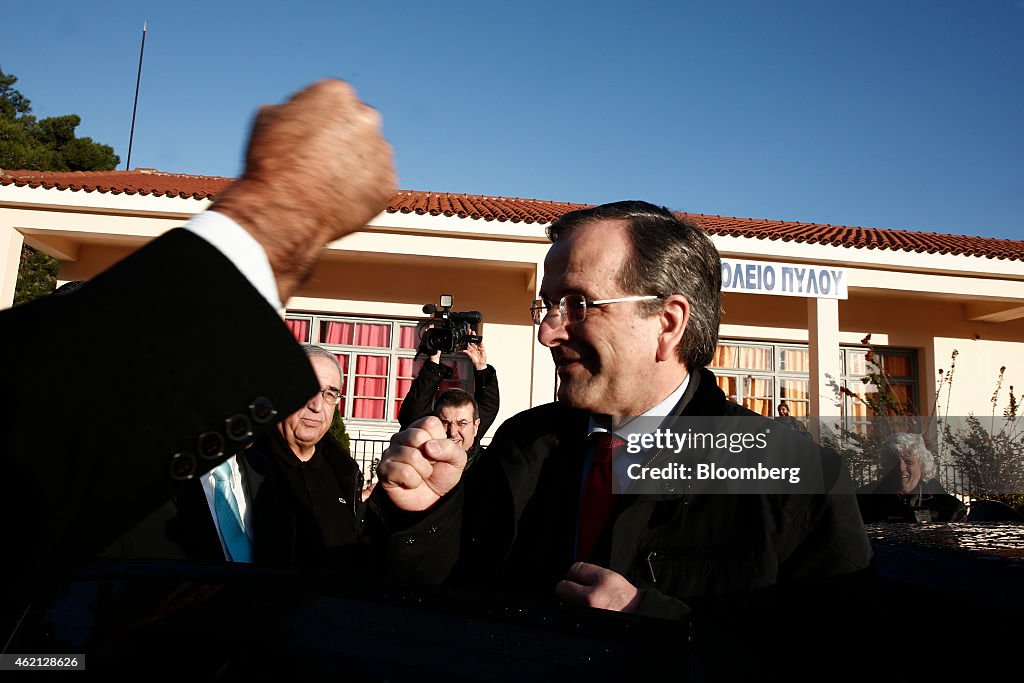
(235, 480)
(242, 249)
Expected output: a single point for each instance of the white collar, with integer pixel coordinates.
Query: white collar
(662, 409)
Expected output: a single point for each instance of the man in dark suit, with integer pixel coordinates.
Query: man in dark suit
(211, 364)
(630, 307)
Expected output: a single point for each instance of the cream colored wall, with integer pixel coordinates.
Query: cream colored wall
(401, 261)
(11, 241)
(378, 286)
(933, 327)
(58, 222)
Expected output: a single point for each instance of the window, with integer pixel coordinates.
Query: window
(900, 370)
(746, 376)
(376, 358)
(761, 375)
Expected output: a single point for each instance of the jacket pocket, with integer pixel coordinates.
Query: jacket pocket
(710, 570)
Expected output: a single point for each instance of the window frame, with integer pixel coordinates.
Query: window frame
(394, 354)
(778, 376)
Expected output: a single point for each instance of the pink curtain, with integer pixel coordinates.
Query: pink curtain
(370, 391)
(407, 337)
(336, 333)
(299, 328)
(403, 382)
(370, 334)
(356, 334)
(343, 362)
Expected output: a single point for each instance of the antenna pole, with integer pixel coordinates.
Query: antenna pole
(135, 107)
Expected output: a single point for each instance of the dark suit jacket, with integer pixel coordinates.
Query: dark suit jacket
(881, 501)
(510, 526)
(111, 398)
(284, 530)
(180, 529)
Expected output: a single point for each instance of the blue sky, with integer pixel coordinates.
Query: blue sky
(903, 114)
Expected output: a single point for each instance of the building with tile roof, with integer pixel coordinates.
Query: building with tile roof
(799, 301)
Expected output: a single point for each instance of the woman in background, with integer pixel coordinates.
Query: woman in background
(908, 490)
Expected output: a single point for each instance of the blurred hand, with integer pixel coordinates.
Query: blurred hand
(477, 355)
(420, 466)
(588, 585)
(317, 169)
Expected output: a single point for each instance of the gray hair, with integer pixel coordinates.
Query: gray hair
(313, 351)
(903, 443)
(670, 256)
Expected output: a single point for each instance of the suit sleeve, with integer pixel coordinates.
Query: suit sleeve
(115, 396)
(420, 399)
(487, 398)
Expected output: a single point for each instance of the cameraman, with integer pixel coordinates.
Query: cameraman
(419, 402)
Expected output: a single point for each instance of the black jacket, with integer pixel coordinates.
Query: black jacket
(288, 527)
(419, 402)
(510, 525)
(881, 501)
(148, 416)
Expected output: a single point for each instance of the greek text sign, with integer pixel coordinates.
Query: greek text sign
(782, 279)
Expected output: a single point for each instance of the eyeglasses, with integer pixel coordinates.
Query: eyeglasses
(331, 396)
(573, 307)
(461, 424)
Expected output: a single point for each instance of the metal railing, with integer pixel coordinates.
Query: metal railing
(951, 478)
(367, 453)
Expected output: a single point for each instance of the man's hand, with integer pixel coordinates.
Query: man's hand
(420, 466)
(588, 585)
(317, 169)
(478, 355)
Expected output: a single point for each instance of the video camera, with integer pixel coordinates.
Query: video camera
(447, 331)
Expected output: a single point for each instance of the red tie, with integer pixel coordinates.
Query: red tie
(597, 503)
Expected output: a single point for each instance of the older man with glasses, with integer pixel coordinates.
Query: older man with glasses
(307, 506)
(630, 308)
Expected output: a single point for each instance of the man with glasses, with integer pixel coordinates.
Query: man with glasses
(630, 308)
(460, 418)
(306, 489)
(424, 393)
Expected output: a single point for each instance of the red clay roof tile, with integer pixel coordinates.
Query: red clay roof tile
(151, 182)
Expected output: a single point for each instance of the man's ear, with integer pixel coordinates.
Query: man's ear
(675, 314)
